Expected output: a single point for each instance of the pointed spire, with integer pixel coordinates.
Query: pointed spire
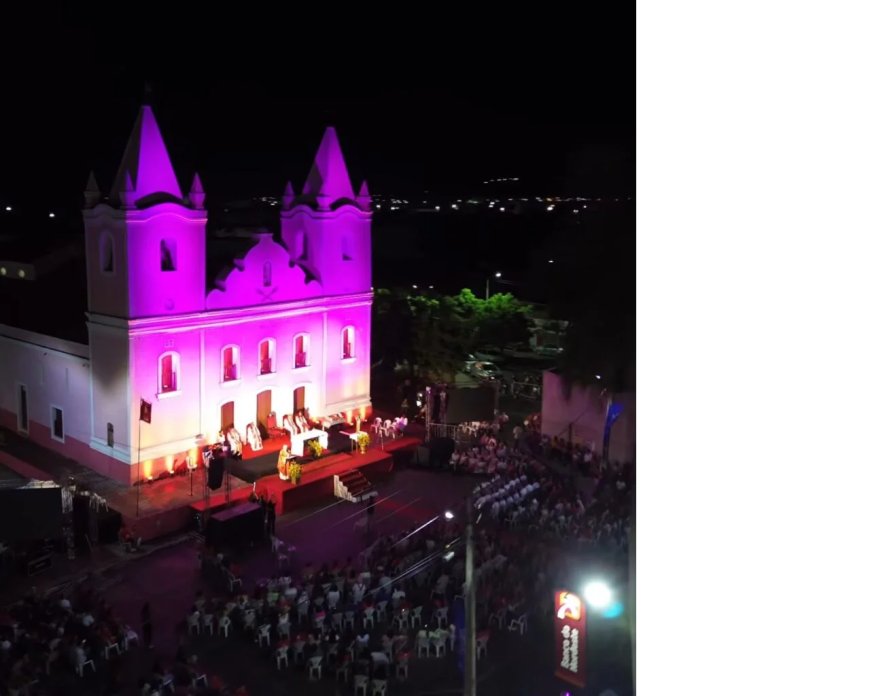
(127, 194)
(288, 197)
(92, 191)
(328, 180)
(363, 197)
(146, 162)
(196, 195)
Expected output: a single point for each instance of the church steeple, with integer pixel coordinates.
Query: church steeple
(328, 180)
(196, 195)
(288, 197)
(145, 169)
(363, 197)
(92, 191)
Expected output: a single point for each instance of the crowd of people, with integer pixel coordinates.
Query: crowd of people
(526, 492)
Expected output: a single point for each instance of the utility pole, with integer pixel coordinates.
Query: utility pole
(470, 607)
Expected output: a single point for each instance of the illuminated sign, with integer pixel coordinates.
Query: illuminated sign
(570, 624)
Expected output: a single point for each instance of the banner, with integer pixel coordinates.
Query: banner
(144, 411)
(570, 625)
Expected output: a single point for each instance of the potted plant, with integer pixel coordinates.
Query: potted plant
(315, 448)
(295, 472)
(363, 442)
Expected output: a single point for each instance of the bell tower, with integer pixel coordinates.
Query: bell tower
(145, 241)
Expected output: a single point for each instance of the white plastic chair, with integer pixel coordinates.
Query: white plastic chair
(417, 616)
(208, 622)
(193, 624)
(402, 669)
(315, 666)
(349, 619)
(224, 625)
(360, 684)
(281, 656)
(108, 649)
(422, 644)
(369, 617)
(265, 630)
(80, 667)
(379, 687)
(519, 624)
(440, 645)
(481, 646)
(440, 617)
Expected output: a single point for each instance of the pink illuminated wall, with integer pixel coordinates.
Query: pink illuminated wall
(314, 280)
(262, 276)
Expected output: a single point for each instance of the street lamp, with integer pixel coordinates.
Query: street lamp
(497, 274)
(598, 594)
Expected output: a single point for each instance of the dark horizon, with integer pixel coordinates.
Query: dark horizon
(250, 115)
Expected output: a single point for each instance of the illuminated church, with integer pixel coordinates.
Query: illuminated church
(283, 331)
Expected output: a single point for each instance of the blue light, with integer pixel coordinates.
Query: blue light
(613, 611)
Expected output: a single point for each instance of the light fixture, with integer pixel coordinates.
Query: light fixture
(498, 274)
(51, 215)
(551, 261)
(8, 208)
(598, 594)
(448, 515)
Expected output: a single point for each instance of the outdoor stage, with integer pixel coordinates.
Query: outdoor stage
(168, 505)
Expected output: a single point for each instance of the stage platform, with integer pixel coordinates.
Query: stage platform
(166, 506)
(255, 465)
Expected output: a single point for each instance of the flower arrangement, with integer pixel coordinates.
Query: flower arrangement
(294, 471)
(363, 441)
(315, 448)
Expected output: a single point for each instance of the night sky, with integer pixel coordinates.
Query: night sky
(438, 106)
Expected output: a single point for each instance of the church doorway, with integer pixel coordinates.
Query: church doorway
(264, 408)
(298, 399)
(228, 415)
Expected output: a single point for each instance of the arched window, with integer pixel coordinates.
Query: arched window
(168, 257)
(348, 343)
(267, 356)
(267, 274)
(230, 363)
(107, 253)
(301, 350)
(169, 373)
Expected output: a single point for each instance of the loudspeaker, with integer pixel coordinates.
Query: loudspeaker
(422, 456)
(216, 473)
(442, 448)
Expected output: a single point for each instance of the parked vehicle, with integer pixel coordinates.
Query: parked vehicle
(485, 370)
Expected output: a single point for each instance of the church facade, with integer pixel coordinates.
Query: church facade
(283, 330)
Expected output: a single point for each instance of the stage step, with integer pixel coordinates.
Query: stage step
(353, 486)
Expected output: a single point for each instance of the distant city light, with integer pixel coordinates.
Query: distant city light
(378, 206)
(551, 261)
(448, 515)
(550, 208)
(414, 286)
(8, 208)
(455, 207)
(501, 209)
(576, 211)
(2, 270)
(597, 376)
(498, 274)
(51, 215)
(431, 286)
(437, 208)
(21, 273)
